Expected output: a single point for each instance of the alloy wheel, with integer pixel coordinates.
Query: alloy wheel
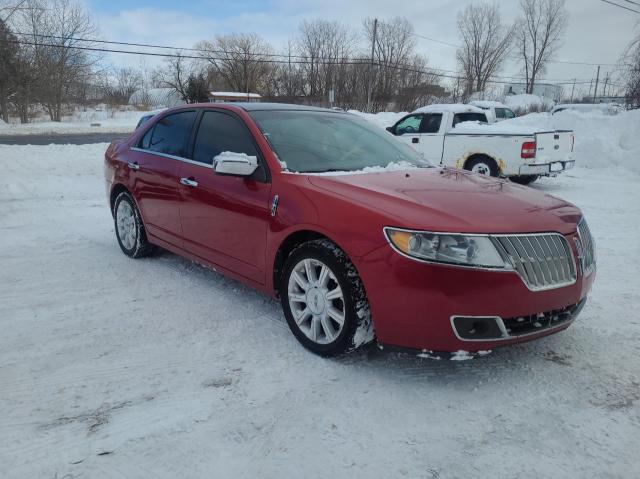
(316, 301)
(126, 224)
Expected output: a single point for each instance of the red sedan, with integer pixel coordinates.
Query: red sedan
(358, 236)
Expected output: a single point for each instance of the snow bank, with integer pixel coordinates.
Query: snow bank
(90, 121)
(602, 141)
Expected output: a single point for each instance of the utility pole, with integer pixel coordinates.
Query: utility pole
(595, 90)
(373, 49)
(606, 80)
(573, 88)
(290, 80)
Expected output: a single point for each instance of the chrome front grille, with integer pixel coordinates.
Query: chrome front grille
(586, 248)
(543, 261)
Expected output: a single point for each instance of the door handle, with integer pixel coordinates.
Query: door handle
(133, 165)
(189, 182)
(415, 140)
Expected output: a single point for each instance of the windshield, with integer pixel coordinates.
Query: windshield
(317, 141)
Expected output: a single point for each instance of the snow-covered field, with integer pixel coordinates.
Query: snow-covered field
(104, 121)
(112, 367)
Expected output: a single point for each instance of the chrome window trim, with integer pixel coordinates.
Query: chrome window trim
(172, 157)
(499, 249)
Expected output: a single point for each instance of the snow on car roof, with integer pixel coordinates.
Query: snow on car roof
(450, 107)
(487, 104)
(234, 94)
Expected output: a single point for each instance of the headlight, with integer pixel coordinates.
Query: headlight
(457, 249)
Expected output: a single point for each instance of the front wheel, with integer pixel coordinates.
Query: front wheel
(324, 300)
(524, 179)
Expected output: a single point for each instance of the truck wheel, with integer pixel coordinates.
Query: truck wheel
(524, 179)
(483, 165)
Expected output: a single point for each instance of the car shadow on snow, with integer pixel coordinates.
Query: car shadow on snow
(383, 362)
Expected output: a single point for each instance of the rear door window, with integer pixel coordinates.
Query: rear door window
(431, 123)
(170, 134)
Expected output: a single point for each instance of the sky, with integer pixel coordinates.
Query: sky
(597, 32)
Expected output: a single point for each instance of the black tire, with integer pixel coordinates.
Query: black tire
(357, 327)
(138, 246)
(524, 179)
(483, 161)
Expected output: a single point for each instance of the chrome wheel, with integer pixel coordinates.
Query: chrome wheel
(126, 224)
(316, 301)
(481, 168)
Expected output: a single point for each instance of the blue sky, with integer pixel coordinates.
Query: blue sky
(597, 32)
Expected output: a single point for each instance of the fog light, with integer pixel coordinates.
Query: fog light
(477, 328)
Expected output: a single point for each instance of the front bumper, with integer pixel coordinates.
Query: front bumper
(546, 169)
(413, 304)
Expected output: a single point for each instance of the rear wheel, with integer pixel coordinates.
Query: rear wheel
(130, 232)
(324, 301)
(483, 165)
(524, 179)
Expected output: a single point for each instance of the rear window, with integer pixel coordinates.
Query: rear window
(462, 117)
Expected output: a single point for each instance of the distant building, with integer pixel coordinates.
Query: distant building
(544, 90)
(231, 96)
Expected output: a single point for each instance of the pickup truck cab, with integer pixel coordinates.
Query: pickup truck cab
(460, 136)
(495, 110)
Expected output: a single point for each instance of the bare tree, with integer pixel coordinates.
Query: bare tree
(630, 68)
(52, 32)
(486, 42)
(175, 74)
(8, 68)
(121, 84)
(241, 59)
(539, 34)
(324, 46)
(394, 47)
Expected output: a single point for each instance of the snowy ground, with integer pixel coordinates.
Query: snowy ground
(112, 367)
(104, 121)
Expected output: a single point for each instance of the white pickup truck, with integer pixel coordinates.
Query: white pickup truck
(460, 136)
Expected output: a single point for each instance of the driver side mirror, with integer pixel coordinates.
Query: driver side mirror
(391, 129)
(236, 164)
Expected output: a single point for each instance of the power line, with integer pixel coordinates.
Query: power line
(632, 2)
(436, 41)
(550, 61)
(621, 6)
(343, 61)
(167, 47)
(177, 55)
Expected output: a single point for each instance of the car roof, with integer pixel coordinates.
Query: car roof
(452, 107)
(260, 106)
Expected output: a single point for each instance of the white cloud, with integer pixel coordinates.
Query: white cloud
(597, 32)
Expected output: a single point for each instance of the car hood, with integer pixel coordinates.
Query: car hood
(450, 200)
